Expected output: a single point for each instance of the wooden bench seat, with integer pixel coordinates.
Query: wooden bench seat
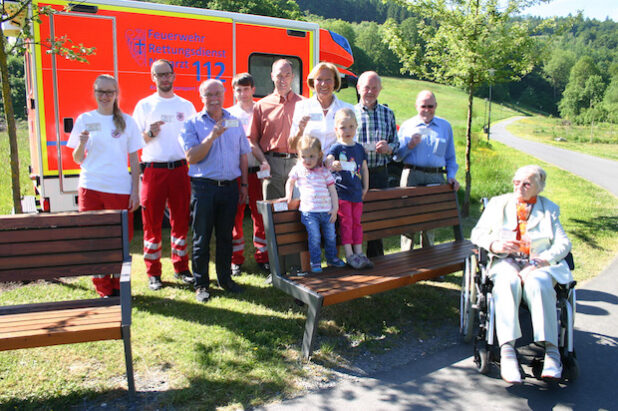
(386, 213)
(51, 246)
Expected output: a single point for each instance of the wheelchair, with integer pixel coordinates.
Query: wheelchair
(477, 320)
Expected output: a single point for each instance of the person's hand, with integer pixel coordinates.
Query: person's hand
(264, 166)
(133, 201)
(504, 246)
(415, 139)
(155, 128)
(382, 147)
(84, 136)
(303, 123)
(365, 190)
(218, 129)
(333, 215)
(454, 183)
(242, 194)
(336, 166)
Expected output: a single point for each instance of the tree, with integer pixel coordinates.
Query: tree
(576, 96)
(16, 14)
(558, 67)
(464, 40)
(610, 100)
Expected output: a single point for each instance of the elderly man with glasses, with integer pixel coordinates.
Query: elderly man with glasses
(427, 151)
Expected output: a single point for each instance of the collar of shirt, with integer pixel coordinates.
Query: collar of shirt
(420, 122)
(365, 108)
(204, 114)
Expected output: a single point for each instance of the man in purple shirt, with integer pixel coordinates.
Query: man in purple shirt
(216, 149)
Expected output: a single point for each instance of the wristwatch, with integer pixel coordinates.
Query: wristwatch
(535, 263)
(150, 134)
(243, 185)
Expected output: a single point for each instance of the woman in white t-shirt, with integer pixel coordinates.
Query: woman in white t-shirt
(102, 140)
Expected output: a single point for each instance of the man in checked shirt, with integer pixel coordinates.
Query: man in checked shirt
(377, 132)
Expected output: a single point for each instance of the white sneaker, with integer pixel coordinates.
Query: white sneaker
(552, 367)
(509, 366)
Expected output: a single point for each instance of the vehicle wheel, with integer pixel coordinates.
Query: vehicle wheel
(481, 359)
(467, 314)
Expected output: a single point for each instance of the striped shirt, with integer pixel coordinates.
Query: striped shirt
(313, 187)
(374, 125)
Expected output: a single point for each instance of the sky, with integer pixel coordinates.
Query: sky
(594, 9)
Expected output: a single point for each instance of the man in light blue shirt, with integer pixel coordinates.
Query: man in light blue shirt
(427, 150)
(216, 149)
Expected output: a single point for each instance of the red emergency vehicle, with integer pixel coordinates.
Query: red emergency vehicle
(128, 37)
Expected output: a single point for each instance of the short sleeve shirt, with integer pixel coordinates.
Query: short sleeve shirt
(313, 187)
(349, 181)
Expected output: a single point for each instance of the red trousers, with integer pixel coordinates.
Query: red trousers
(161, 186)
(259, 238)
(89, 200)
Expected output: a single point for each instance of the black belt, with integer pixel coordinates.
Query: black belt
(253, 170)
(281, 155)
(218, 183)
(171, 165)
(434, 170)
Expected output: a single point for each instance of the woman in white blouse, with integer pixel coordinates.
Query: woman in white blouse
(316, 116)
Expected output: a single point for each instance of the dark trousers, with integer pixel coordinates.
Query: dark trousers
(213, 207)
(378, 178)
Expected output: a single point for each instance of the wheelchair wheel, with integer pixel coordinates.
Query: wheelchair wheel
(481, 359)
(467, 314)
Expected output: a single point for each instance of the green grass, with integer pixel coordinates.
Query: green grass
(572, 137)
(6, 202)
(242, 351)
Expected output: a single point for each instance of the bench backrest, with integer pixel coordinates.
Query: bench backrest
(47, 246)
(386, 213)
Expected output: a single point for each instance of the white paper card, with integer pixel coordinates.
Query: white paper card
(369, 146)
(263, 174)
(280, 206)
(230, 122)
(93, 127)
(315, 116)
(167, 118)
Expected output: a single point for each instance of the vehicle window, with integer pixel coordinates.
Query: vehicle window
(260, 66)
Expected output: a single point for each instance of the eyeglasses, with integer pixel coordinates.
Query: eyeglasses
(108, 93)
(430, 106)
(163, 75)
(524, 184)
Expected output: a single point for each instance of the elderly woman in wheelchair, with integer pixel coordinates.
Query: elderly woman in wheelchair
(527, 247)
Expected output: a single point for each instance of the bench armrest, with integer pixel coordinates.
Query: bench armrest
(125, 292)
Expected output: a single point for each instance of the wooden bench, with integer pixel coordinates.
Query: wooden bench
(386, 213)
(50, 246)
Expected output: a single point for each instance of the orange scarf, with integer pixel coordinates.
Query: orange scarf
(524, 207)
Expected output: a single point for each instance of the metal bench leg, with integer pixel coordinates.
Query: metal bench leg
(311, 326)
(128, 357)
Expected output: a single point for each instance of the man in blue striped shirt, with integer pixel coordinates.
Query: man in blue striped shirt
(377, 132)
(427, 150)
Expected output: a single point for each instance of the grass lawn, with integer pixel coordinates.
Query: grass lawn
(577, 138)
(243, 350)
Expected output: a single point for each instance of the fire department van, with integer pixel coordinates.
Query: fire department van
(128, 37)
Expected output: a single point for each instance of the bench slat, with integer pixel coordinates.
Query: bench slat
(406, 202)
(369, 216)
(69, 335)
(47, 316)
(61, 259)
(52, 247)
(83, 219)
(63, 233)
(46, 273)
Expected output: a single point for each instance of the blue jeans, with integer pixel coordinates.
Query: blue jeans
(316, 222)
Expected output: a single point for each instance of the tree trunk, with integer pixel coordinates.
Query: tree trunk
(10, 124)
(465, 210)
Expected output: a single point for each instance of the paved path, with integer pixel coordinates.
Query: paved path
(600, 171)
(448, 380)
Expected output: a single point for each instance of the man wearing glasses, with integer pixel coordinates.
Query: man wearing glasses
(161, 116)
(427, 151)
(216, 146)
